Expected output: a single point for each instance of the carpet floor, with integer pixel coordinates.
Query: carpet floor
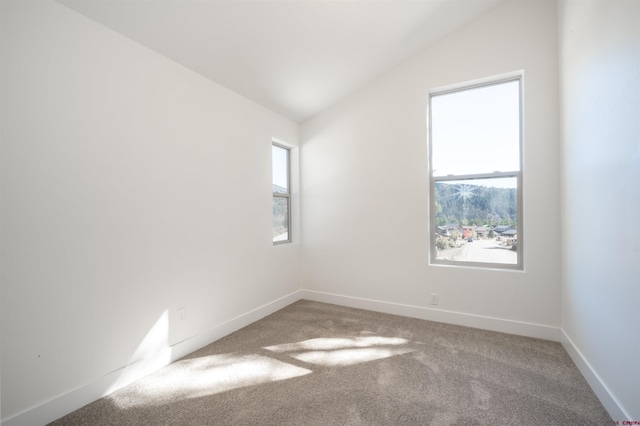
(320, 364)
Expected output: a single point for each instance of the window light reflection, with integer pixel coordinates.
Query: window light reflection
(345, 357)
(338, 343)
(193, 378)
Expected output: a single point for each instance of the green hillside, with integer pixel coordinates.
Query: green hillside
(475, 205)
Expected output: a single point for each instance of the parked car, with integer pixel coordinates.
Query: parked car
(470, 239)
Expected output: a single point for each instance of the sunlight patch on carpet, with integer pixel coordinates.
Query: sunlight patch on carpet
(337, 343)
(199, 377)
(343, 351)
(345, 357)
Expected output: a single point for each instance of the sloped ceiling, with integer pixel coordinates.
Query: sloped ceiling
(296, 57)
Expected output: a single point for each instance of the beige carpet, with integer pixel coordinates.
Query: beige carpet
(318, 364)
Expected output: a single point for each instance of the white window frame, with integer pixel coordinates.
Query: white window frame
(286, 195)
(518, 174)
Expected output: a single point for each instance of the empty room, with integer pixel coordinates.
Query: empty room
(319, 212)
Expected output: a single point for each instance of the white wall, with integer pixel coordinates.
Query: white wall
(600, 80)
(131, 187)
(365, 182)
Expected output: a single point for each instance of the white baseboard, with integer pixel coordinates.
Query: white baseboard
(610, 402)
(77, 398)
(59, 406)
(457, 318)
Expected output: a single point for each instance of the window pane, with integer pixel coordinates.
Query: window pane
(477, 220)
(280, 219)
(280, 169)
(476, 130)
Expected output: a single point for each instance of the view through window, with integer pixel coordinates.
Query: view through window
(476, 175)
(281, 193)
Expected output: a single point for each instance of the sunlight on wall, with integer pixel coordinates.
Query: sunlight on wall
(152, 353)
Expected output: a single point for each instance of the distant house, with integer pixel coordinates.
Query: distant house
(443, 231)
(502, 229)
(510, 233)
(482, 231)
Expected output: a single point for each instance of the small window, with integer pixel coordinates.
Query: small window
(475, 135)
(280, 171)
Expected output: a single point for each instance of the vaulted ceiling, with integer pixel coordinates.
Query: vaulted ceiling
(297, 57)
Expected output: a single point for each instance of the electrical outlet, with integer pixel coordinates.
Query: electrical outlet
(182, 314)
(434, 298)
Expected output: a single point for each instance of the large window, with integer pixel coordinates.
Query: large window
(280, 171)
(475, 142)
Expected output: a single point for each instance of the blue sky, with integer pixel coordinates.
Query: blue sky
(476, 130)
(279, 165)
